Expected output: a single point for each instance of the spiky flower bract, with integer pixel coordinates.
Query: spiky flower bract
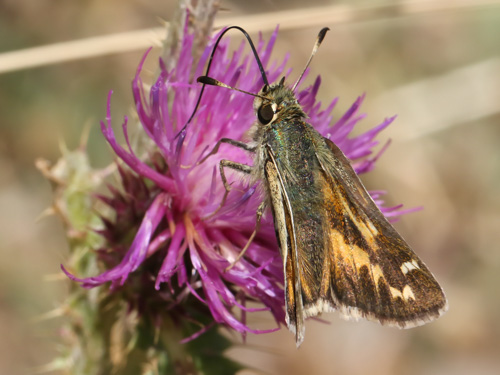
(169, 204)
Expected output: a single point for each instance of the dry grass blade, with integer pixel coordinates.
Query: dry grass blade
(80, 49)
(288, 19)
(447, 98)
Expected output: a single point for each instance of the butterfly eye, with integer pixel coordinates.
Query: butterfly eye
(265, 89)
(265, 114)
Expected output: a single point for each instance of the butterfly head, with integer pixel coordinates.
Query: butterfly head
(276, 102)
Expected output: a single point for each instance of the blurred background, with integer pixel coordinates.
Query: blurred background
(434, 63)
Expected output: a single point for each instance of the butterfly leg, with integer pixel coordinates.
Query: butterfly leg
(231, 142)
(241, 168)
(260, 212)
(233, 165)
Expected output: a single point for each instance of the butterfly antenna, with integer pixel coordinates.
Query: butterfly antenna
(319, 39)
(213, 82)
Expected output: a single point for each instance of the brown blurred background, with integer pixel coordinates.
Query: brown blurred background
(434, 63)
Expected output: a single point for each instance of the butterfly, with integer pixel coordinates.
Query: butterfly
(339, 251)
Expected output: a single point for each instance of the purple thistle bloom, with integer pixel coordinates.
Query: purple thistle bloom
(192, 246)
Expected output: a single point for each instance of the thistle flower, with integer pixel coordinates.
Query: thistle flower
(182, 240)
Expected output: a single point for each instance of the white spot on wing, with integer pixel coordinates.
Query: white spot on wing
(405, 295)
(408, 293)
(408, 266)
(395, 292)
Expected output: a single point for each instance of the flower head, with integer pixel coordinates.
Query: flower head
(183, 241)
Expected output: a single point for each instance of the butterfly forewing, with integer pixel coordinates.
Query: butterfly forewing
(375, 273)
